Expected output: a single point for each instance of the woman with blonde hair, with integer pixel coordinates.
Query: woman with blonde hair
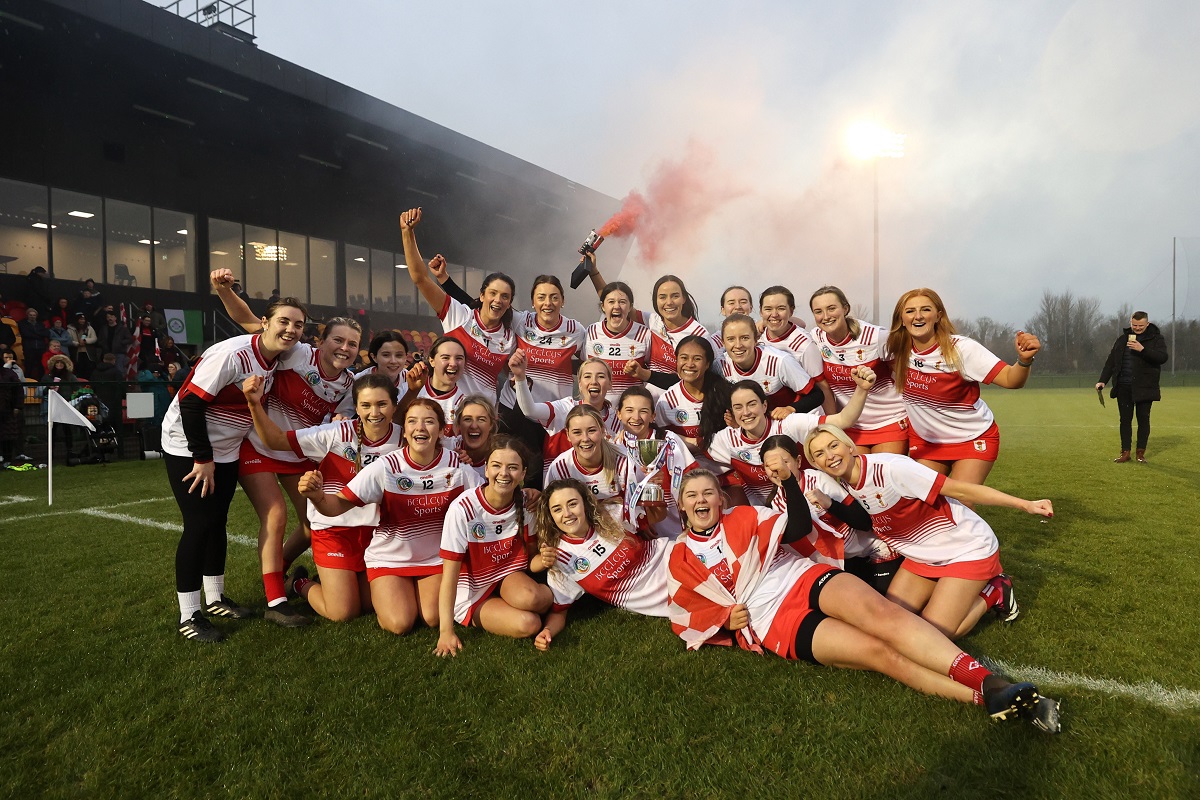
(937, 373)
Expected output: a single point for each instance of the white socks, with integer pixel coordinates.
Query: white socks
(189, 604)
(214, 587)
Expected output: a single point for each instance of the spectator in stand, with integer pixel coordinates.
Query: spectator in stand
(115, 338)
(175, 377)
(60, 376)
(59, 333)
(100, 314)
(157, 320)
(35, 291)
(153, 379)
(36, 340)
(61, 312)
(8, 333)
(88, 301)
(1134, 366)
(55, 349)
(149, 338)
(172, 354)
(274, 296)
(12, 402)
(10, 362)
(109, 382)
(240, 292)
(84, 351)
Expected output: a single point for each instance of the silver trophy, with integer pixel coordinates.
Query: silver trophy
(650, 454)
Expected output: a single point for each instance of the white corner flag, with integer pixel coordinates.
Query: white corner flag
(59, 410)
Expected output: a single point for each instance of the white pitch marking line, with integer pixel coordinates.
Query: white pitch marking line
(1170, 698)
(153, 523)
(65, 512)
(16, 498)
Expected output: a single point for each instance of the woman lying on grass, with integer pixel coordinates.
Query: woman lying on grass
(731, 580)
(587, 551)
(486, 546)
(951, 574)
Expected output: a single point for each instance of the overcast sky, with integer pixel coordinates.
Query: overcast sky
(1050, 144)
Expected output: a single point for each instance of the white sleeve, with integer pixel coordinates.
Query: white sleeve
(565, 590)
(913, 479)
(810, 359)
(556, 414)
(455, 315)
(368, 485)
(794, 376)
(213, 373)
(454, 530)
(719, 449)
(978, 363)
(318, 441)
(798, 426)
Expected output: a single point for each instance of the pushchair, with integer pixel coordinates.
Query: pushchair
(97, 444)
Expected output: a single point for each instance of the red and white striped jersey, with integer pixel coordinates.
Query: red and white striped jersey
(217, 380)
(449, 403)
(943, 403)
(548, 356)
(802, 348)
(679, 412)
(412, 505)
(303, 396)
(884, 406)
(913, 518)
(617, 350)
(831, 540)
(487, 349)
(767, 595)
(631, 574)
(664, 340)
(733, 448)
(554, 417)
(489, 544)
(602, 488)
(778, 373)
(340, 455)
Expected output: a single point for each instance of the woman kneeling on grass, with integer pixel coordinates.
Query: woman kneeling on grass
(412, 487)
(731, 580)
(341, 450)
(587, 551)
(486, 546)
(951, 574)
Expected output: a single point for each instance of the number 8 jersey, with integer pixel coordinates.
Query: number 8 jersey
(490, 545)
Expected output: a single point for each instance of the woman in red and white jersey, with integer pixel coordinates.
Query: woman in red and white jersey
(595, 385)
(586, 551)
(619, 340)
(636, 409)
(476, 425)
(846, 343)
(731, 580)
(951, 573)
(340, 450)
(737, 447)
(202, 435)
(550, 341)
(938, 373)
(389, 352)
(412, 488)
(311, 385)
(486, 332)
(487, 541)
(695, 407)
(440, 378)
(593, 461)
(777, 307)
(788, 387)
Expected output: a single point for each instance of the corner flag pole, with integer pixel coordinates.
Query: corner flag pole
(49, 455)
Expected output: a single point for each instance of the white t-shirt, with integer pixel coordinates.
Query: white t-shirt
(733, 448)
(449, 402)
(549, 357)
(800, 345)
(679, 412)
(664, 340)
(567, 466)
(631, 574)
(553, 417)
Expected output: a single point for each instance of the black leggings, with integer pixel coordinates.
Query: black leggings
(202, 546)
(1127, 408)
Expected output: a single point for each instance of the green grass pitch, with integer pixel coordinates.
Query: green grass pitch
(102, 698)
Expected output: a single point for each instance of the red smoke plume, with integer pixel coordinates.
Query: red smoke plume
(670, 216)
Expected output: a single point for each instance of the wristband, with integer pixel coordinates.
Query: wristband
(1025, 364)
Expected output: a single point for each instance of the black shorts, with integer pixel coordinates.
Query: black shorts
(808, 625)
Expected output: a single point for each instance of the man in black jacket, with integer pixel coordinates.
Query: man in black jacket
(1134, 365)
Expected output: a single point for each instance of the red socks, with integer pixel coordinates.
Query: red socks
(273, 584)
(992, 594)
(970, 673)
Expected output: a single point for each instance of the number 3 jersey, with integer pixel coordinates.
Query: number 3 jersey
(630, 574)
(340, 454)
(489, 542)
(412, 503)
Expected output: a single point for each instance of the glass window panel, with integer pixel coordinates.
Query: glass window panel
(407, 299)
(22, 246)
(175, 253)
(78, 238)
(358, 293)
(383, 292)
(293, 266)
(322, 276)
(225, 246)
(472, 280)
(262, 255)
(127, 243)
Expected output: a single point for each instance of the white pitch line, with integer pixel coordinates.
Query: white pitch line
(1155, 694)
(16, 498)
(68, 511)
(153, 523)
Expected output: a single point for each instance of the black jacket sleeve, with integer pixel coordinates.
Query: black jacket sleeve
(1110, 366)
(812, 399)
(663, 380)
(1154, 350)
(853, 515)
(799, 521)
(458, 293)
(195, 427)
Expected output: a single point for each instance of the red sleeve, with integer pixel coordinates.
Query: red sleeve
(345, 493)
(450, 555)
(445, 308)
(991, 376)
(295, 445)
(936, 490)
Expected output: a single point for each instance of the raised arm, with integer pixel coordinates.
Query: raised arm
(437, 265)
(538, 412)
(1015, 375)
(598, 282)
(271, 434)
(235, 307)
(418, 270)
(864, 379)
(977, 494)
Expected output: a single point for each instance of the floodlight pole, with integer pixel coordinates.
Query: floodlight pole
(1173, 323)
